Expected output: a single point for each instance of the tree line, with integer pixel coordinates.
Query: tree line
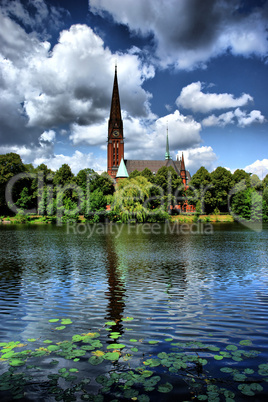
(143, 197)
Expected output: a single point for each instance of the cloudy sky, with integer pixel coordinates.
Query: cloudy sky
(200, 67)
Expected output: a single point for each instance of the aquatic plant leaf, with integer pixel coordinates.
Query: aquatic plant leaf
(213, 348)
(115, 336)
(239, 377)
(47, 341)
(127, 319)
(134, 349)
(152, 362)
(62, 370)
(143, 398)
(246, 390)
(76, 360)
(153, 342)
(218, 357)
(245, 342)
(31, 340)
(8, 355)
(87, 347)
(66, 321)
(111, 356)
(52, 348)
(110, 323)
(77, 338)
(95, 360)
(248, 371)
(16, 362)
(98, 353)
(60, 328)
(116, 346)
(133, 340)
(169, 339)
(231, 347)
(226, 369)
(130, 393)
(54, 320)
(73, 370)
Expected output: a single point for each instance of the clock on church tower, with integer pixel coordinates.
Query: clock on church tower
(115, 133)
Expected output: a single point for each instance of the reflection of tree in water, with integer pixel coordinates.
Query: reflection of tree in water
(116, 286)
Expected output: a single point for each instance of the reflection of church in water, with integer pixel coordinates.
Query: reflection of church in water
(120, 167)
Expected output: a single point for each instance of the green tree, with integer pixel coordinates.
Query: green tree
(222, 182)
(148, 175)
(240, 175)
(199, 192)
(129, 198)
(10, 165)
(63, 175)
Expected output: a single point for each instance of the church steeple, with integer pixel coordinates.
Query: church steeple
(115, 111)
(183, 171)
(115, 132)
(167, 154)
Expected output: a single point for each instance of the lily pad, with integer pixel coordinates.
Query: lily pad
(111, 356)
(60, 328)
(231, 347)
(95, 360)
(127, 319)
(31, 340)
(66, 321)
(116, 346)
(165, 388)
(54, 320)
(218, 357)
(245, 342)
(16, 362)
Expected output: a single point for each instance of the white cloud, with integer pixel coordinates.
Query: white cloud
(191, 97)
(196, 157)
(245, 119)
(222, 120)
(77, 161)
(239, 117)
(188, 33)
(260, 168)
(64, 89)
(48, 136)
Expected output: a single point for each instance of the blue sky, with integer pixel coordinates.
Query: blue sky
(198, 67)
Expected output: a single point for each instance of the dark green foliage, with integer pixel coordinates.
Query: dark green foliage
(10, 165)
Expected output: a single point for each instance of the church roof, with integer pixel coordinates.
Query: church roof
(122, 170)
(153, 165)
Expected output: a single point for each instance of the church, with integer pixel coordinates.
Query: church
(117, 165)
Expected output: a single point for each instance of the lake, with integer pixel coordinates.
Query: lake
(150, 312)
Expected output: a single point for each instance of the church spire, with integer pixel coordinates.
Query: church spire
(115, 146)
(167, 154)
(115, 111)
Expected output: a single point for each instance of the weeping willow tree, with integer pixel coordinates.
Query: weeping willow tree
(129, 199)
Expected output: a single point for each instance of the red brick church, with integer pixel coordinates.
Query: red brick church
(120, 167)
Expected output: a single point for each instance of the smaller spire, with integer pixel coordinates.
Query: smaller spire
(182, 162)
(122, 170)
(167, 154)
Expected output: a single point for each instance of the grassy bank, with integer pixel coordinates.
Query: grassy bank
(37, 219)
(202, 218)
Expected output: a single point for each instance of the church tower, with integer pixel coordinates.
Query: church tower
(115, 147)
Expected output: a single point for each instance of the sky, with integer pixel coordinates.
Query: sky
(196, 68)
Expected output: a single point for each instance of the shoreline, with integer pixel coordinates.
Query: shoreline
(183, 218)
